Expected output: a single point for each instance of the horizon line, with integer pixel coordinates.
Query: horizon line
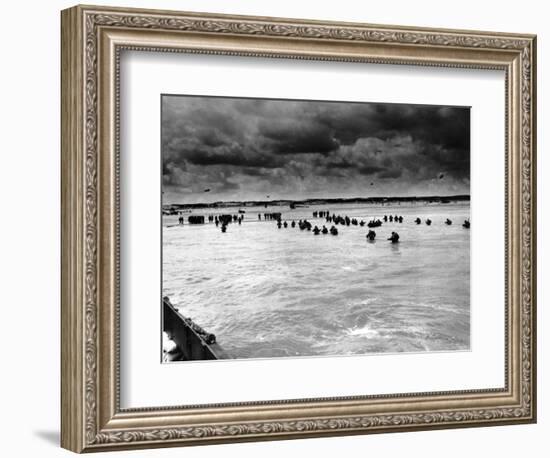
(327, 199)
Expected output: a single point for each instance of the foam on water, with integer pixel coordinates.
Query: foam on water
(365, 331)
(269, 292)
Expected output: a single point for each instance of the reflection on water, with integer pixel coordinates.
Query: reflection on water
(395, 249)
(269, 292)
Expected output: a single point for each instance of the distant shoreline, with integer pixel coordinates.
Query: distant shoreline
(322, 201)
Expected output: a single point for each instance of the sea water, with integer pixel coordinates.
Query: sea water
(269, 292)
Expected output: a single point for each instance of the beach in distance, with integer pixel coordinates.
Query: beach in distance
(270, 291)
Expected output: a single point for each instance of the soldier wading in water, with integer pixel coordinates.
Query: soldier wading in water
(394, 237)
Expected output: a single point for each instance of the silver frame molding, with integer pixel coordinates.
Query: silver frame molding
(92, 39)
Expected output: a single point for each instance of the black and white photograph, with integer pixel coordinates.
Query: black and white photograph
(306, 228)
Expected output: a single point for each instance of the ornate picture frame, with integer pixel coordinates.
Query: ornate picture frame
(92, 40)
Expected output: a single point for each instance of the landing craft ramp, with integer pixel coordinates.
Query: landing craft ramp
(193, 342)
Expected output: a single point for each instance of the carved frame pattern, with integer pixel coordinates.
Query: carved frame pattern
(92, 20)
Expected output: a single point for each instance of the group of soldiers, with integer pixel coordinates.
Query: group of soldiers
(448, 222)
(305, 225)
(345, 220)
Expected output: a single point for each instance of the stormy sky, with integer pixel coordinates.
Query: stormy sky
(248, 149)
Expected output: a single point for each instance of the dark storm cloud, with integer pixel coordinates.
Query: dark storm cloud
(371, 169)
(232, 155)
(250, 148)
(295, 136)
(390, 173)
(446, 126)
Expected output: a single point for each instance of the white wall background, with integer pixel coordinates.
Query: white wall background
(29, 241)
